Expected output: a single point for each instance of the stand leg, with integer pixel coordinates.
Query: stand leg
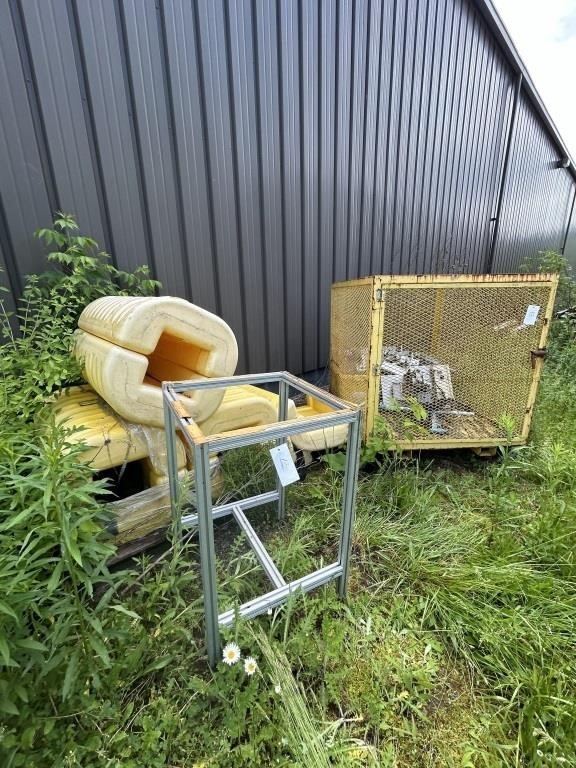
(173, 483)
(282, 416)
(348, 501)
(207, 552)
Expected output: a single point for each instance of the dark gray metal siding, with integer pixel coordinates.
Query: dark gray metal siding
(537, 197)
(252, 152)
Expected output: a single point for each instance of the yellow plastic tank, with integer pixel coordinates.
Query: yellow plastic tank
(318, 439)
(129, 345)
(247, 406)
(244, 406)
(153, 478)
(110, 440)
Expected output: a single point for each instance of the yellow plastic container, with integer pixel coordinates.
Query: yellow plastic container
(110, 440)
(153, 478)
(248, 406)
(318, 439)
(245, 406)
(129, 345)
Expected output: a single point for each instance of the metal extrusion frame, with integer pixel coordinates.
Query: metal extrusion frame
(202, 446)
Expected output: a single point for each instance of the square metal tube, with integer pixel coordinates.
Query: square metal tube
(259, 550)
(278, 596)
(277, 433)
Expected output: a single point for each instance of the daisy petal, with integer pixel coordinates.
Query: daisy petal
(250, 665)
(230, 654)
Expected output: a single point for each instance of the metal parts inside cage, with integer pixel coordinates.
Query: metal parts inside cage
(444, 360)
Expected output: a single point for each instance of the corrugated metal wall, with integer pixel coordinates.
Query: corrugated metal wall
(537, 198)
(254, 151)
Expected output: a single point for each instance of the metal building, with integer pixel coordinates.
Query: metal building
(254, 151)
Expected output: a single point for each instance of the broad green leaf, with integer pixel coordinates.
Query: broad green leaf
(28, 736)
(121, 609)
(29, 644)
(5, 651)
(8, 706)
(55, 577)
(4, 608)
(158, 664)
(72, 547)
(99, 648)
(70, 676)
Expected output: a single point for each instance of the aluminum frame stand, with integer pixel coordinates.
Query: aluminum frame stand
(277, 433)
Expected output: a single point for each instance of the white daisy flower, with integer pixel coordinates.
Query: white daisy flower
(250, 665)
(230, 654)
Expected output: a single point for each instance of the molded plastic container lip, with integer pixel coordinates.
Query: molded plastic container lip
(137, 323)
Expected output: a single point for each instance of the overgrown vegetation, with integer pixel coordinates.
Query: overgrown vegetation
(37, 360)
(455, 647)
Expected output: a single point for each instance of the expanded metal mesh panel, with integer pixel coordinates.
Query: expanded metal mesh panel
(351, 326)
(456, 361)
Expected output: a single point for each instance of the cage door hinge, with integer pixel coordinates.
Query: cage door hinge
(536, 354)
(379, 294)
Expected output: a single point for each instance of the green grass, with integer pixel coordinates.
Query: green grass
(455, 646)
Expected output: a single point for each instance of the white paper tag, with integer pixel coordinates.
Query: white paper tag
(285, 467)
(531, 314)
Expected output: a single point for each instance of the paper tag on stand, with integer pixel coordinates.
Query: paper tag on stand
(285, 467)
(531, 314)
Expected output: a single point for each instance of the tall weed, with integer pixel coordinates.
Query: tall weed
(36, 360)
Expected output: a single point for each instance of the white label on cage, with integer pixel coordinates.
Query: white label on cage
(531, 314)
(285, 467)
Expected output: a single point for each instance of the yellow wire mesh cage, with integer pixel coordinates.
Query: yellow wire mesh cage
(446, 360)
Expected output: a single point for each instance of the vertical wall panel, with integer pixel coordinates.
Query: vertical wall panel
(440, 257)
(147, 81)
(292, 178)
(357, 135)
(269, 89)
(253, 152)
(380, 256)
(23, 187)
(62, 104)
(418, 18)
(216, 82)
(433, 136)
(7, 303)
(344, 49)
(100, 44)
(394, 143)
(452, 258)
(374, 55)
(8, 289)
(328, 63)
(537, 196)
(404, 182)
(310, 30)
(420, 101)
(243, 82)
(570, 248)
(193, 172)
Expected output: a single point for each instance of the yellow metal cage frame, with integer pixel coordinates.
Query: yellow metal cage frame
(358, 334)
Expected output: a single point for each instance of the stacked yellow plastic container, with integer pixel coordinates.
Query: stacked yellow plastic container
(128, 345)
